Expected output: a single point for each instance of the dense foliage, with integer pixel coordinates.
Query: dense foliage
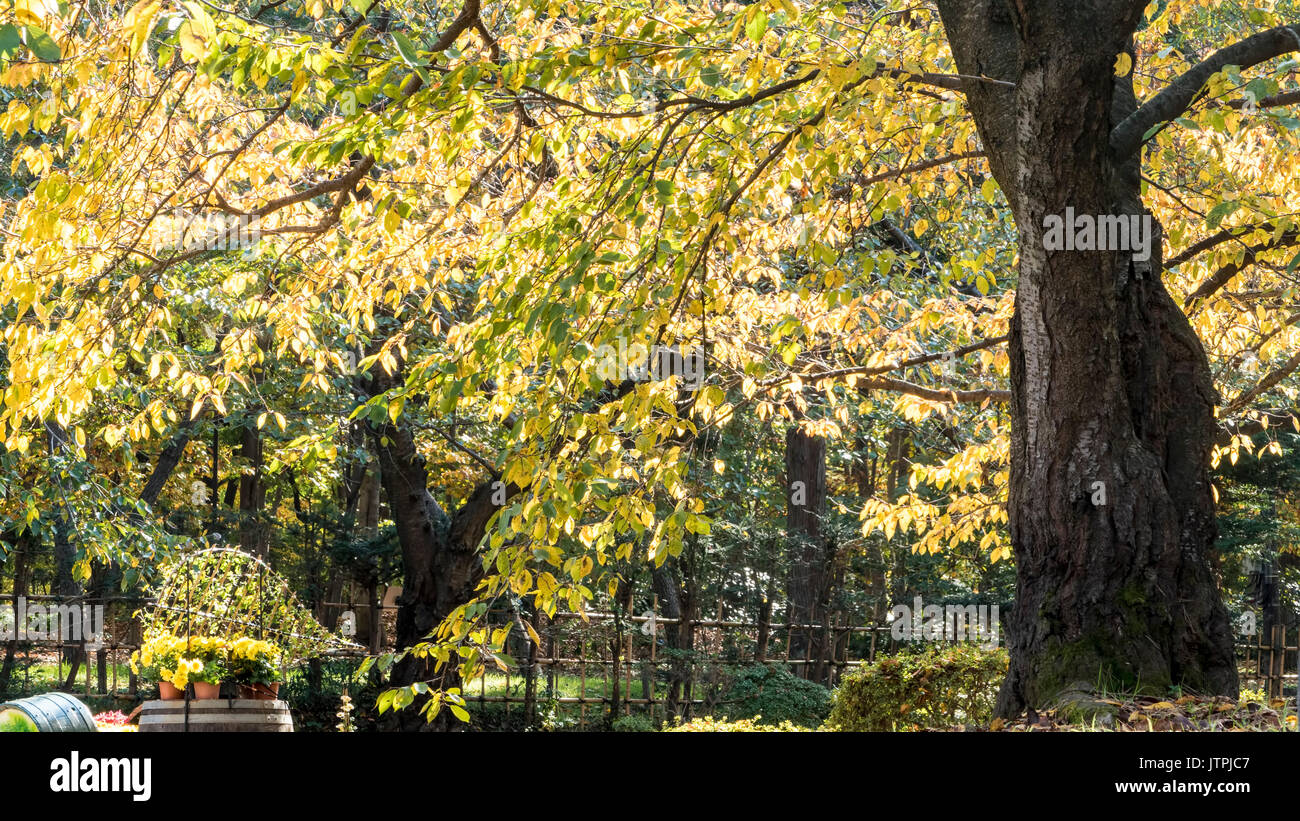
(476, 226)
(771, 694)
(937, 688)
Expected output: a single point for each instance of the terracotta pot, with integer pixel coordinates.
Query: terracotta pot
(168, 692)
(260, 692)
(204, 690)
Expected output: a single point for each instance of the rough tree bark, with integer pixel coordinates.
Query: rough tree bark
(1111, 389)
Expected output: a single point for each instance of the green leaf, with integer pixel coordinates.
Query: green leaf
(41, 44)
(1221, 211)
(402, 699)
(10, 41)
(757, 25)
(409, 55)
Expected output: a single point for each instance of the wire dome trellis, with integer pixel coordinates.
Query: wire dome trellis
(223, 592)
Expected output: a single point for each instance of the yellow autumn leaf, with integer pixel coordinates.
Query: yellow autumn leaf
(1123, 64)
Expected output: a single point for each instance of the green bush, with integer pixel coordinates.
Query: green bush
(634, 723)
(934, 688)
(772, 695)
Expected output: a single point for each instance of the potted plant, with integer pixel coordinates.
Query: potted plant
(157, 660)
(255, 667)
(207, 657)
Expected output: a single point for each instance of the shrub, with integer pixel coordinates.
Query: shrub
(771, 694)
(937, 687)
(634, 723)
(709, 724)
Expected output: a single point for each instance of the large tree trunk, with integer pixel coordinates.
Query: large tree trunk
(1111, 512)
(440, 558)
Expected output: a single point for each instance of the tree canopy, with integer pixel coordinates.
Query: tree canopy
(461, 226)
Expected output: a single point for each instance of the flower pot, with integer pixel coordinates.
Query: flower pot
(168, 692)
(260, 692)
(203, 690)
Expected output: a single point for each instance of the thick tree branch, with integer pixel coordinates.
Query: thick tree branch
(1276, 101)
(1213, 241)
(1128, 136)
(1270, 418)
(1268, 382)
(875, 370)
(1224, 275)
(844, 191)
(891, 385)
(985, 42)
(464, 21)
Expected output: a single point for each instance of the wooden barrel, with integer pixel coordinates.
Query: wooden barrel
(217, 715)
(54, 713)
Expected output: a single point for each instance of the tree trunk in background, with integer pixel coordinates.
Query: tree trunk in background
(764, 627)
(864, 480)
(368, 504)
(676, 590)
(898, 450)
(252, 493)
(1111, 513)
(65, 585)
(368, 521)
(19, 555)
(168, 458)
(1263, 594)
(805, 493)
(622, 602)
(375, 629)
(440, 559)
